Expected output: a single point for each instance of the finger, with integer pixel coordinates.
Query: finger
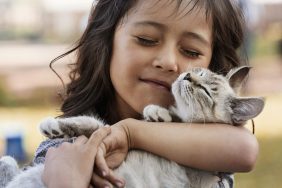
(115, 180)
(64, 145)
(50, 153)
(80, 140)
(100, 163)
(98, 181)
(96, 138)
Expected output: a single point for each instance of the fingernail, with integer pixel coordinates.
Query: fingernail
(119, 184)
(104, 173)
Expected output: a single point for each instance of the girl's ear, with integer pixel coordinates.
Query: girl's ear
(236, 76)
(244, 109)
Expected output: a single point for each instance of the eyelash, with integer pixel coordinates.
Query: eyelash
(149, 42)
(190, 53)
(146, 42)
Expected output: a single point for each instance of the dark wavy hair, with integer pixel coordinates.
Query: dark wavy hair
(90, 90)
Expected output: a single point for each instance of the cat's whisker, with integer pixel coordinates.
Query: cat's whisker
(221, 71)
(203, 112)
(204, 120)
(189, 102)
(192, 110)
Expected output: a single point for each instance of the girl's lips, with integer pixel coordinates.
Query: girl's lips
(158, 83)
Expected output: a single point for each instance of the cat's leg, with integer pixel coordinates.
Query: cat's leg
(156, 113)
(8, 170)
(226, 181)
(69, 127)
(30, 178)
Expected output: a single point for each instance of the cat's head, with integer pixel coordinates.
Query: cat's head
(204, 96)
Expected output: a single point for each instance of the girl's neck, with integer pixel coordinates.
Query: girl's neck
(124, 111)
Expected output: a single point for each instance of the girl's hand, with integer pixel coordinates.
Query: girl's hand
(112, 152)
(71, 165)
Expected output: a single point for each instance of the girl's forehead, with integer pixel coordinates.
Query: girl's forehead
(169, 9)
(176, 13)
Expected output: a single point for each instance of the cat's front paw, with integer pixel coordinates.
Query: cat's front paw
(156, 114)
(50, 128)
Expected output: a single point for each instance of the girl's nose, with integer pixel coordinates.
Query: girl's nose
(166, 60)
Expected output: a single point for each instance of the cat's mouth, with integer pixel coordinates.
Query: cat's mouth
(157, 83)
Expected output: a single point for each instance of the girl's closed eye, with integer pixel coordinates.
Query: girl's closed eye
(190, 53)
(146, 41)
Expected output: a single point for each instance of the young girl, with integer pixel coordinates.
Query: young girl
(127, 58)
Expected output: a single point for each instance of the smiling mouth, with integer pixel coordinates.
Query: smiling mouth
(157, 83)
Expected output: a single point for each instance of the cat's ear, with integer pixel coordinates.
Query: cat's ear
(245, 109)
(236, 77)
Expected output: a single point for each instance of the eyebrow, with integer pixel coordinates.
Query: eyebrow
(150, 23)
(160, 26)
(198, 37)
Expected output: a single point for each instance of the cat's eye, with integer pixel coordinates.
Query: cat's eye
(146, 41)
(201, 73)
(204, 89)
(214, 89)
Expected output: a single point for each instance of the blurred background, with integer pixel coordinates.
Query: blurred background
(33, 32)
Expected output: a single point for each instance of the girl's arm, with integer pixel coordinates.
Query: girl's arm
(213, 147)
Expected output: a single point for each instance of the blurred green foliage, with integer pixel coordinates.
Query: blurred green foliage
(37, 97)
(5, 97)
(268, 171)
(28, 35)
(265, 44)
(263, 48)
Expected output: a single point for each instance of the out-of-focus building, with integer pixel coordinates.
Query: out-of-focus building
(32, 33)
(272, 10)
(55, 20)
(65, 18)
(273, 13)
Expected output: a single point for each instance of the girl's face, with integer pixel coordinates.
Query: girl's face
(153, 44)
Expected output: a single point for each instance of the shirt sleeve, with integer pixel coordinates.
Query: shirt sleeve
(39, 156)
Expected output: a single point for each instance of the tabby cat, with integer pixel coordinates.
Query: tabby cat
(200, 96)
